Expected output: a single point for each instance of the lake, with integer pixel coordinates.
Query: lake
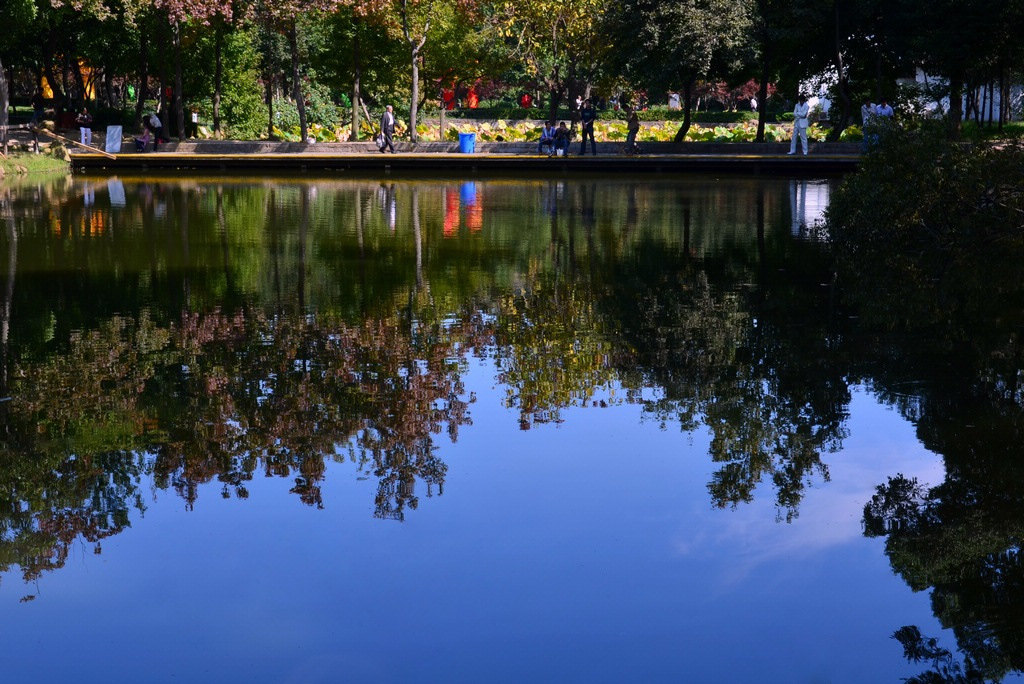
(489, 430)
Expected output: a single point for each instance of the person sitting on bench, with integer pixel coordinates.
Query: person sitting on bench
(547, 138)
(562, 137)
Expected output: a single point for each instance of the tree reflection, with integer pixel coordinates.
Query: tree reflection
(940, 341)
(266, 332)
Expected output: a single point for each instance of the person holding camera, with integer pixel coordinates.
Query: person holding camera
(587, 117)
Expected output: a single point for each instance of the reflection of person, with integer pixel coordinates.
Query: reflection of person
(387, 129)
(632, 128)
(547, 138)
(801, 112)
(84, 120)
(562, 137)
(753, 104)
(587, 117)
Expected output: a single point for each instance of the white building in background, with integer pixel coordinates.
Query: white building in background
(923, 85)
(926, 84)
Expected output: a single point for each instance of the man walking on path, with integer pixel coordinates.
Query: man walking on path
(387, 129)
(800, 123)
(587, 117)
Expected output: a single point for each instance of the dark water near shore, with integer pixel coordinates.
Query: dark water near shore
(498, 430)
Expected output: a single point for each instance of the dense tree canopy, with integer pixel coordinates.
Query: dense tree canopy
(317, 62)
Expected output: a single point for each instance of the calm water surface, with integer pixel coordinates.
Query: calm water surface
(489, 431)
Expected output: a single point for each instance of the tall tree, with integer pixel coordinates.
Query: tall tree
(12, 14)
(284, 16)
(676, 43)
(559, 42)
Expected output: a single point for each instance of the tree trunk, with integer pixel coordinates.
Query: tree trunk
(956, 113)
(76, 71)
(300, 102)
(414, 100)
(108, 81)
(687, 112)
(356, 95)
(991, 102)
(1002, 94)
(842, 85)
(218, 74)
(554, 99)
(5, 101)
(179, 108)
(762, 100)
(143, 75)
(270, 105)
(51, 78)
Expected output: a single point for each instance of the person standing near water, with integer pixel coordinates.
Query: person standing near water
(632, 128)
(801, 121)
(587, 117)
(84, 120)
(387, 129)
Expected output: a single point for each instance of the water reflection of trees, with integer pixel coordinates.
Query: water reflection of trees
(267, 331)
(219, 397)
(939, 340)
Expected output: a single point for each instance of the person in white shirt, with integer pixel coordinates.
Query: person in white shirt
(800, 123)
(867, 112)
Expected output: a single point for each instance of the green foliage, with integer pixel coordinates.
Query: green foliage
(242, 104)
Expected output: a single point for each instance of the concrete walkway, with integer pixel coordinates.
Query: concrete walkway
(744, 158)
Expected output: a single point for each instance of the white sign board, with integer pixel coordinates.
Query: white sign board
(113, 144)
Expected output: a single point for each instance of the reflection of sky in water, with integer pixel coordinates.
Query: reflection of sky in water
(586, 551)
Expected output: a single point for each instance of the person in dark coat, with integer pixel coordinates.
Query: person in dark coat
(387, 129)
(587, 117)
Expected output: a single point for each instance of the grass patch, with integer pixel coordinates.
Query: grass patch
(21, 163)
(1013, 130)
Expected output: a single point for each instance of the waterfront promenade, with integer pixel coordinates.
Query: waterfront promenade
(717, 158)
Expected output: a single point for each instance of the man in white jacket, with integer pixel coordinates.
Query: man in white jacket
(800, 124)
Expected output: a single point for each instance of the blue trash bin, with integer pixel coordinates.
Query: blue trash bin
(467, 143)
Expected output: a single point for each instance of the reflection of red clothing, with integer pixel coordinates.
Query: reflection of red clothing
(448, 97)
(472, 99)
(475, 216)
(451, 212)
